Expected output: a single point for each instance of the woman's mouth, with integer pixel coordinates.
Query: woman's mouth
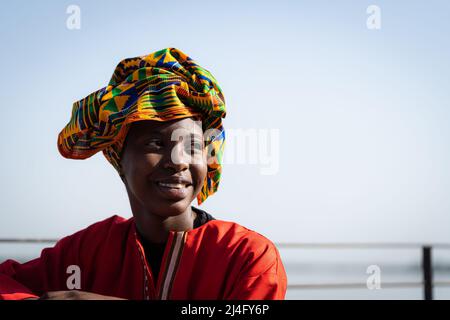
(172, 185)
(173, 191)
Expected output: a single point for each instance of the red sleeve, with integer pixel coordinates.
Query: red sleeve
(263, 277)
(13, 290)
(49, 271)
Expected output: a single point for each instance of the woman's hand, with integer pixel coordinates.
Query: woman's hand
(75, 295)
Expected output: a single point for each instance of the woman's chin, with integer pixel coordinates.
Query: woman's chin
(170, 209)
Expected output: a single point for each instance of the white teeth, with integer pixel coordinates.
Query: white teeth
(172, 185)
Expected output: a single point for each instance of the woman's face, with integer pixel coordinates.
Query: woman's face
(164, 165)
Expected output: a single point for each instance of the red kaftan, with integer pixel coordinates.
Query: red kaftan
(218, 260)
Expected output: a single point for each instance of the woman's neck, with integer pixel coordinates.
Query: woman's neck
(155, 228)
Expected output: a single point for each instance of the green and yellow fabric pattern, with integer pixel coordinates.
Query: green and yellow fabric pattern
(162, 86)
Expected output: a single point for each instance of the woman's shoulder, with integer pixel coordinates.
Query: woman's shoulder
(233, 234)
(98, 231)
(109, 224)
(246, 247)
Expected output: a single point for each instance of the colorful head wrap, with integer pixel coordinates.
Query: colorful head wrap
(161, 86)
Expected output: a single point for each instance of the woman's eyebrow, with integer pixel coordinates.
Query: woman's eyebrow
(196, 136)
(192, 136)
(152, 133)
(147, 134)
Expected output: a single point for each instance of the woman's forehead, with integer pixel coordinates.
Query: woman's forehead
(180, 126)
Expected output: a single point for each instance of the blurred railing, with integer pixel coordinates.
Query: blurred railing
(427, 282)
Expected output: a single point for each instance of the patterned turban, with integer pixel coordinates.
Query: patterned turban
(161, 86)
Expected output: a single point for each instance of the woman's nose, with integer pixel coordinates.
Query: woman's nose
(177, 157)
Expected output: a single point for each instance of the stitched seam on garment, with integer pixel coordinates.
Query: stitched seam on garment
(166, 267)
(177, 263)
(172, 266)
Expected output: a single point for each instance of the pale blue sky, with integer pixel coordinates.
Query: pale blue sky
(363, 115)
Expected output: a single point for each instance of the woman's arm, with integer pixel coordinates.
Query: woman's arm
(47, 272)
(51, 272)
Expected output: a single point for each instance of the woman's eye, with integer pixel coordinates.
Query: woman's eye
(154, 143)
(197, 145)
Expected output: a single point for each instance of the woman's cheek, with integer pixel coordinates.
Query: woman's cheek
(150, 162)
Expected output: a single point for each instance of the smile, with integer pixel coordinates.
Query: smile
(172, 185)
(173, 191)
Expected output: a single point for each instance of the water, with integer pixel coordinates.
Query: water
(337, 266)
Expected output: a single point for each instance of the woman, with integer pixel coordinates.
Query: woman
(159, 123)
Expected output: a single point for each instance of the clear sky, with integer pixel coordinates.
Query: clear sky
(362, 115)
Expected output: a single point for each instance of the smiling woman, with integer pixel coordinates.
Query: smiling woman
(163, 175)
(159, 123)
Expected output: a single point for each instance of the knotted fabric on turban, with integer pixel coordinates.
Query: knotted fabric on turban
(161, 86)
